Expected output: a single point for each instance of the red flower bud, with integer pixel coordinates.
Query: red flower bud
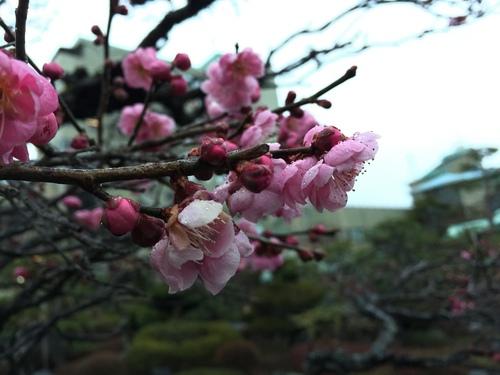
(121, 9)
(306, 255)
(80, 142)
(120, 94)
(327, 138)
(182, 61)
(148, 231)
(318, 229)
(109, 63)
(72, 201)
(213, 151)
(313, 237)
(324, 103)
(178, 85)
(22, 272)
(160, 71)
(290, 98)
(96, 30)
(297, 112)
(53, 70)
(292, 240)
(119, 81)
(8, 37)
(120, 215)
(255, 177)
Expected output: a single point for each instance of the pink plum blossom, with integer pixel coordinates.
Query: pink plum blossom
(263, 126)
(292, 129)
(324, 182)
(201, 240)
(258, 262)
(232, 81)
(26, 102)
(154, 125)
(46, 129)
(89, 218)
(253, 206)
(140, 66)
(353, 151)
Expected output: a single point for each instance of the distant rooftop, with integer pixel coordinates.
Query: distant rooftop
(461, 166)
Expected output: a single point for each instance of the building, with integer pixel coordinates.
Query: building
(460, 181)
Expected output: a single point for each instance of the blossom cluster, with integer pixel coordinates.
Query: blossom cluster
(196, 237)
(142, 67)
(27, 105)
(232, 84)
(151, 126)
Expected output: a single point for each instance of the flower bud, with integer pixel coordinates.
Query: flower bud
(325, 139)
(148, 231)
(297, 112)
(81, 141)
(96, 30)
(292, 240)
(119, 81)
(182, 61)
(121, 9)
(255, 177)
(213, 151)
(256, 94)
(120, 215)
(110, 64)
(290, 97)
(22, 272)
(120, 94)
(52, 70)
(160, 71)
(8, 37)
(313, 237)
(72, 201)
(306, 255)
(324, 103)
(178, 85)
(318, 229)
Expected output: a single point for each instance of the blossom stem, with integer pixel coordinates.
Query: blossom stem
(350, 73)
(21, 16)
(141, 117)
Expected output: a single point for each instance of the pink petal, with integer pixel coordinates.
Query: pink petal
(216, 272)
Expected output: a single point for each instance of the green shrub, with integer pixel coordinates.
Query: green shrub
(103, 363)
(96, 320)
(274, 304)
(428, 338)
(178, 344)
(209, 371)
(240, 354)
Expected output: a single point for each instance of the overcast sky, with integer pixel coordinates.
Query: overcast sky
(426, 97)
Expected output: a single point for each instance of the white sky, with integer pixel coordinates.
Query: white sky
(425, 97)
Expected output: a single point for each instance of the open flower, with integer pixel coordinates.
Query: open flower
(201, 240)
(142, 66)
(232, 81)
(153, 125)
(27, 102)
